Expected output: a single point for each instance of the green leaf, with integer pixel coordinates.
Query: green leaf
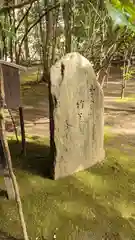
(117, 16)
(121, 14)
(126, 6)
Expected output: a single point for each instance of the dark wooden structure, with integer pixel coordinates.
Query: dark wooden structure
(10, 78)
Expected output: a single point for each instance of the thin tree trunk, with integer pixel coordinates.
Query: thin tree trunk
(54, 35)
(67, 15)
(5, 48)
(101, 8)
(10, 38)
(102, 76)
(49, 32)
(42, 41)
(16, 54)
(125, 71)
(1, 42)
(26, 41)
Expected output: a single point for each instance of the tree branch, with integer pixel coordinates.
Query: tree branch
(20, 5)
(23, 17)
(36, 22)
(109, 58)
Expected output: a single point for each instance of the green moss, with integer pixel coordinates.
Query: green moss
(108, 135)
(98, 200)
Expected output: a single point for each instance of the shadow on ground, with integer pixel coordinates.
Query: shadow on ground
(37, 158)
(5, 236)
(3, 193)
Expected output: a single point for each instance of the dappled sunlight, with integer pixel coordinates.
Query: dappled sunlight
(126, 99)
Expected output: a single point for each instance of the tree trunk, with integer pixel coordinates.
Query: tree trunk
(10, 38)
(42, 41)
(102, 76)
(1, 42)
(125, 71)
(16, 52)
(49, 32)
(4, 39)
(54, 34)
(67, 15)
(26, 41)
(101, 8)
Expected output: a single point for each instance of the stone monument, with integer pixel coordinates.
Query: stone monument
(78, 115)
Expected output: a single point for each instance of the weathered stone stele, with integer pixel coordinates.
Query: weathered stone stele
(78, 115)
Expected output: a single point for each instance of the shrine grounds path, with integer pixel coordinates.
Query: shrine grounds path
(97, 204)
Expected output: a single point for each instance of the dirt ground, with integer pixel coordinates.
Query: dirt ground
(119, 114)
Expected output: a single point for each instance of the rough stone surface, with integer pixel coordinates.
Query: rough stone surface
(78, 115)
